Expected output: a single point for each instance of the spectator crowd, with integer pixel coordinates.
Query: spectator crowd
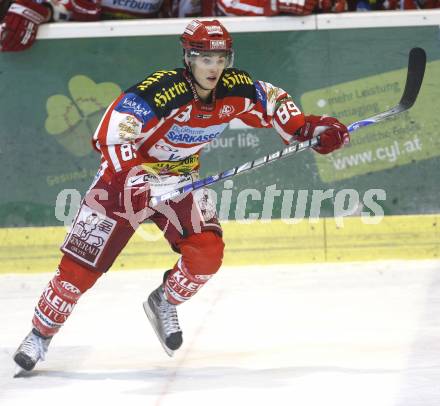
(20, 19)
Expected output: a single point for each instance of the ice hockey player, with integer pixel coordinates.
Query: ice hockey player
(149, 139)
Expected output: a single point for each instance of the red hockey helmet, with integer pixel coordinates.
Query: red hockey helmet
(208, 35)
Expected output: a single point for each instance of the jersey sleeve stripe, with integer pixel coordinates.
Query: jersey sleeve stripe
(101, 138)
(114, 158)
(96, 134)
(102, 129)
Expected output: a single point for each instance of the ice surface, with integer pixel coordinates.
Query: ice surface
(364, 334)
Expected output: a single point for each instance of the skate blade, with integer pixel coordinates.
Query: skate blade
(151, 318)
(19, 372)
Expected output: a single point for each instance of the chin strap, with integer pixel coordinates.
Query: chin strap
(193, 80)
(200, 104)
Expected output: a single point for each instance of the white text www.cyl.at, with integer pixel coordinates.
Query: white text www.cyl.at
(388, 153)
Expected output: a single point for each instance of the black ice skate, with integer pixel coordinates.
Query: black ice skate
(31, 350)
(163, 318)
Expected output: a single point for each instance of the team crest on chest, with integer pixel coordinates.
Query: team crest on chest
(226, 111)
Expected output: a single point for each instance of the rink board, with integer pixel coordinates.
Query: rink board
(34, 249)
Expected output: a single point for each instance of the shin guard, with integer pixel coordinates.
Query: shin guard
(180, 285)
(61, 295)
(201, 258)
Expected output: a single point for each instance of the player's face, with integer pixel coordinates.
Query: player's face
(207, 68)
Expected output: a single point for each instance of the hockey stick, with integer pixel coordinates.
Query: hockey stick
(416, 71)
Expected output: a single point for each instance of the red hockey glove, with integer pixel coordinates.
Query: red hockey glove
(86, 10)
(19, 27)
(332, 134)
(75, 10)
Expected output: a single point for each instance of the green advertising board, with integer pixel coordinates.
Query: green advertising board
(54, 95)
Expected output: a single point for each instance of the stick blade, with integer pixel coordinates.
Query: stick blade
(414, 79)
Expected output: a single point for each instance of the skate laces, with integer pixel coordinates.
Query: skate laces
(169, 317)
(35, 347)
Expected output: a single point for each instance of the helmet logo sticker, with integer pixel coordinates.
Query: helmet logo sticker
(214, 30)
(191, 28)
(217, 44)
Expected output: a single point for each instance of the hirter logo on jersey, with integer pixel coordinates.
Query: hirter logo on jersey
(232, 78)
(155, 78)
(167, 94)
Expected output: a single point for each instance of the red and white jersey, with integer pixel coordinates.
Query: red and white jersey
(161, 123)
(243, 7)
(265, 7)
